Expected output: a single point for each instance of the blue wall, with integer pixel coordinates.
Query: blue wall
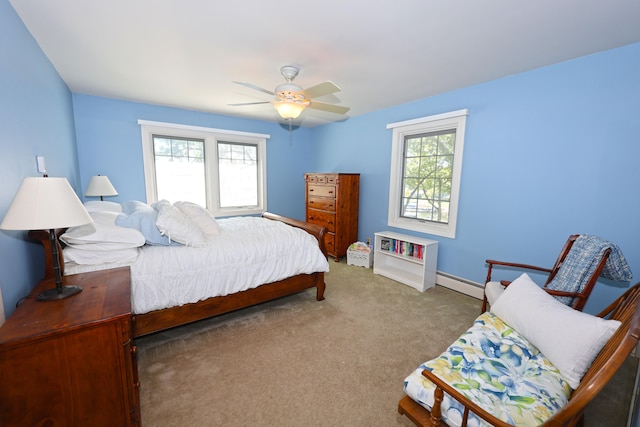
(548, 153)
(36, 118)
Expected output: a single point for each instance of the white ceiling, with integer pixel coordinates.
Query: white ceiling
(186, 53)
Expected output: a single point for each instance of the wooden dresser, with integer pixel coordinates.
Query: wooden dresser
(71, 362)
(332, 201)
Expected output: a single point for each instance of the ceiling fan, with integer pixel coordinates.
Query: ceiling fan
(290, 99)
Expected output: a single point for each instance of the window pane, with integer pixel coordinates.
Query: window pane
(427, 176)
(238, 174)
(180, 169)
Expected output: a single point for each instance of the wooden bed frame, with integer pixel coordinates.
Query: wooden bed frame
(159, 320)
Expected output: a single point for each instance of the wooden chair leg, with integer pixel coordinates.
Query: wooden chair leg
(435, 418)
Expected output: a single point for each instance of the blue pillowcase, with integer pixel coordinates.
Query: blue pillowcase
(139, 215)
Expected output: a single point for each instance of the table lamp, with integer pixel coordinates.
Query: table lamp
(46, 203)
(99, 185)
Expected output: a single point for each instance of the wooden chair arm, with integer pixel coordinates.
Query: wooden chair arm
(493, 262)
(436, 414)
(557, 293)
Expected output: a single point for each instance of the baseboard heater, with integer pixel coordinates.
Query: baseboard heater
(460, 284)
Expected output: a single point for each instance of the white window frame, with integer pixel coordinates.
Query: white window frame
(211, 137)
(446, 121)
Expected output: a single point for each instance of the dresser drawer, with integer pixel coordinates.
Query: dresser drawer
(322, 190)
(322, 203)
(325, 219)
(322, 179)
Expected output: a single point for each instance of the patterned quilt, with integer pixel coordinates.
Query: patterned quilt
(498, 369)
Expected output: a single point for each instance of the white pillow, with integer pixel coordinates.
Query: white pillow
(200, 216)
(570, 339)
(102, 206)
(84, 257)
(104, 217)
(177, 226)
(100, 237)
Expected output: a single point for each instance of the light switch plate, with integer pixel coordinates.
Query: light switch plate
(41, 164)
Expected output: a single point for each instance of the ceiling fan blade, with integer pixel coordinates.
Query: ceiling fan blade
(254, 87)
(338, 109)
(320, 89)
(249, 103)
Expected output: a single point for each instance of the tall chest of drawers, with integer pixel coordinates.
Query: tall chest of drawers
(332, 200)
(72, 362)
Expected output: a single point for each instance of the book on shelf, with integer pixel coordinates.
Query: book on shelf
(403, 248)
(385, 244)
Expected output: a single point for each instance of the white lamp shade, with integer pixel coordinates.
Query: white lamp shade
(45, 203)
(100, 185)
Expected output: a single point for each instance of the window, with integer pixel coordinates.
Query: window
(426, 163)
(222, 170)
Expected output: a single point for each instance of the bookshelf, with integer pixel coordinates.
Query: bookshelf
(406, 259)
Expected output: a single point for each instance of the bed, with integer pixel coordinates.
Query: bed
(187, 277)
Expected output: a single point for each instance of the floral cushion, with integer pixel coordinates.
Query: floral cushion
(499, 370)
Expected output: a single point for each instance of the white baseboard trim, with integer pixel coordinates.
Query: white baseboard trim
(461, 285)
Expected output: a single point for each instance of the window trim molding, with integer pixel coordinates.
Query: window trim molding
(210, 136)
(450, 120)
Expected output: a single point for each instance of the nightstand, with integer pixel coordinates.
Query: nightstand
(72, 362)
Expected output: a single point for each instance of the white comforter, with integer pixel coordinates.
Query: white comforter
(248, 252)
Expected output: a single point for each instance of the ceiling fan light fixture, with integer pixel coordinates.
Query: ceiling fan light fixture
(289, 109)
(290, 100)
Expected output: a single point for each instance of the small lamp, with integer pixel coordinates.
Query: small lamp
(100, 185)
(47, 203)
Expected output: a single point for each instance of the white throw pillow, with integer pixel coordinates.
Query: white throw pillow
(102, 206)
(177, 226)
(570, 339)
(200, 216)
(102, 237)
(104, 218)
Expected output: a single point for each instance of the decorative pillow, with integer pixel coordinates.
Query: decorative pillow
(104, 217)
(200, 216)
(177, 226)
(102, 206)
(100, 237)
(142, 217)
(570, 339)
(81, 256)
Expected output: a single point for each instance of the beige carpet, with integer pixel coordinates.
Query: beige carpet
(299, 362)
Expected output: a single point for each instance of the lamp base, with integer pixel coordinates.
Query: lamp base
(53, 294)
